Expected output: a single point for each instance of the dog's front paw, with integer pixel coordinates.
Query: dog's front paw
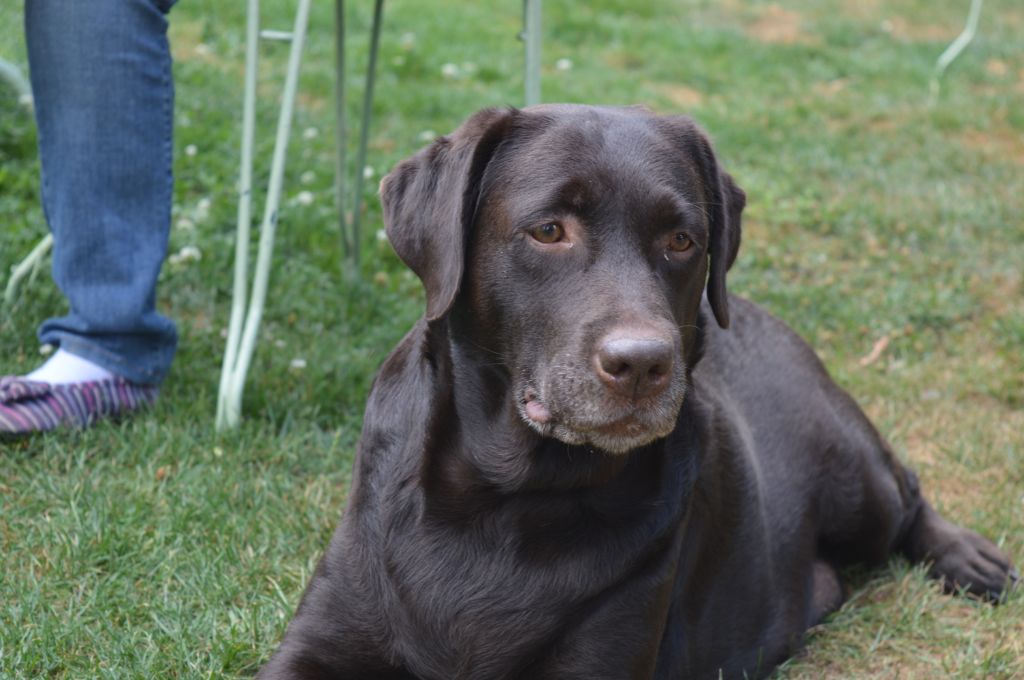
(960, 558)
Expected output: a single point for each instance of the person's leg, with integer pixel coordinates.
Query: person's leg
(101, 80)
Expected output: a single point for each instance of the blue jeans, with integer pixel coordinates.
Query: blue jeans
(104, 97)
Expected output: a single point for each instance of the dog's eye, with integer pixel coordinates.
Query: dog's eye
(680, 242)
(549, 232)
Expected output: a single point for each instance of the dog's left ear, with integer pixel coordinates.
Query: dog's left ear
(725, 243)
(430, 200)
(723, 202)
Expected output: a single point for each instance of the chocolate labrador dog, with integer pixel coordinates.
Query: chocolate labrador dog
(580, 465)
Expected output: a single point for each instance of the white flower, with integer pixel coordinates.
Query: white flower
(564, 64)
(191, 150)
(450, 71)
(382, 235)
(369, 172)
(298, 364)
(185, 224)
(310, 133)
(186, 254)
(427, 136)
(304, 198)
(202, 209)
(46, 349)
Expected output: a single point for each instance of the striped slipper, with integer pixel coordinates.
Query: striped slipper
(28, 406)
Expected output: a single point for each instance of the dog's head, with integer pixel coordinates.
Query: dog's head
(571, 245)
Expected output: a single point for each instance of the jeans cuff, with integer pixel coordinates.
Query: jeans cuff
(114, 363)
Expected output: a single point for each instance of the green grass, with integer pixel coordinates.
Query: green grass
(158, 548)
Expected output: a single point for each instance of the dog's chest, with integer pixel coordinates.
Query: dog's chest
(496, 599)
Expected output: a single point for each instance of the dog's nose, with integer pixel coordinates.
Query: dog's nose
(634, 367)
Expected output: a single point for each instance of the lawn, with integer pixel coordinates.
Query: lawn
(885, 228)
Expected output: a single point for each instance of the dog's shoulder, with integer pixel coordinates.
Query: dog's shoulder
(397, 414)
(408, 369)
(765, 395)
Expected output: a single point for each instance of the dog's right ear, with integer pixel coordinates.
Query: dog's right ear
(430, 202)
